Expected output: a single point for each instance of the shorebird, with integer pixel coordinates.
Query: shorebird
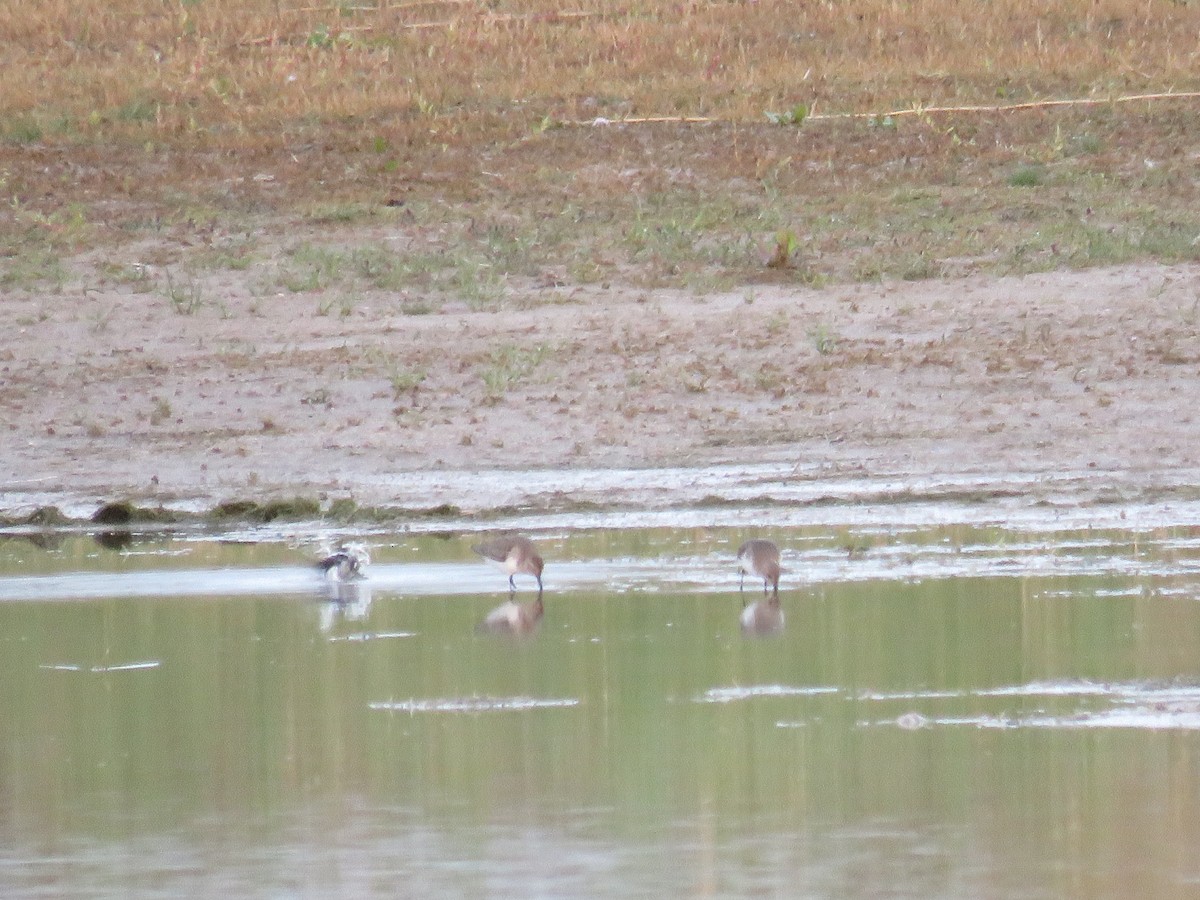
(516, 555)
(763, 617)
(761, 559)
(348, 562)
(514, 618)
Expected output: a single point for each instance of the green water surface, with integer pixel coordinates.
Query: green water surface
(637, 745)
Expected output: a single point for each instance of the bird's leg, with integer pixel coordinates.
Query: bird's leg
(512, 586)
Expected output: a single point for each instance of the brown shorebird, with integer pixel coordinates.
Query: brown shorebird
(515, 554)
(760, 559)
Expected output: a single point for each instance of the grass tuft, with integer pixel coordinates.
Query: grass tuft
(1027, 176)
(186, 294)
(507, 366)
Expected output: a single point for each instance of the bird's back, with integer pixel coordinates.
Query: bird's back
(500, 548)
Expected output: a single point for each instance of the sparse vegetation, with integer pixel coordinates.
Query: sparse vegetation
(1027, 176)
(786, 245)
(185, 292)
(406, 382)
(320, 396)
(823, 340)
(161, 411)
(777, 324)
(794, 116)
(326, 131)
(507, 366)
(33, 266)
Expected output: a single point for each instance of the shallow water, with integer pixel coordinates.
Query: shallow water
(952, 710)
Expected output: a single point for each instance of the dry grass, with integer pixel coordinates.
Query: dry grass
(126, 118)
(245, 73)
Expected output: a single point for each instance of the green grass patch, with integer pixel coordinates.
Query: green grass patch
(1027, 176)
(508, 366)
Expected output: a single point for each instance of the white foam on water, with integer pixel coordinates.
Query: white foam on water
(747, 692)
(1142, 718)
(473, 704)
(910, 695)
(360, 636)
(96, 670)
(1049, 689)
(1124, 705)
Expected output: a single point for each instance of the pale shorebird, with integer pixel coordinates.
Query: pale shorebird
(347, 563)
(516, 555)
(760, 559)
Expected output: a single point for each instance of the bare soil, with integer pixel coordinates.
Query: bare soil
(114, 394)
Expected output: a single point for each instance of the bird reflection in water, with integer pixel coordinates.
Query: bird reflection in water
(514, 618)
(348, 601)
(763, 617)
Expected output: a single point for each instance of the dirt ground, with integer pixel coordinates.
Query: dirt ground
(112, 393)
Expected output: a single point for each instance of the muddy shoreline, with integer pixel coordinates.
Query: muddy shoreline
(1087, 374)
(755, 497)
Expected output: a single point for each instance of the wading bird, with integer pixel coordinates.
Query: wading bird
(515, 554)
(347, 563)
(760, 559)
